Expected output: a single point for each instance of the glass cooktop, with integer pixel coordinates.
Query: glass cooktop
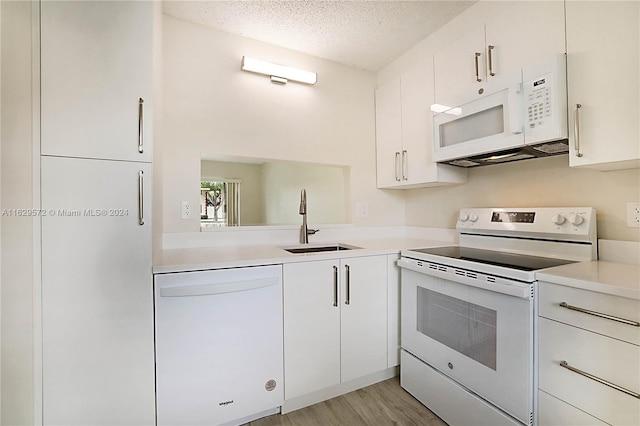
(490, 257)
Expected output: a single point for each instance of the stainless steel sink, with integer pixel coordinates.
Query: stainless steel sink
(319, 248)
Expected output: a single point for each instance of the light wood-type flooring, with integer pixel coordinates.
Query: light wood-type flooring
(384, 403)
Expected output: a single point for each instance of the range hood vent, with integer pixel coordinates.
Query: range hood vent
(526, 152)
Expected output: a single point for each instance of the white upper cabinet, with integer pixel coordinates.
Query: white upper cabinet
(96, 87)
(459, 68)
(501, 43)
(602, 66)
(388, 134)
(404, 133)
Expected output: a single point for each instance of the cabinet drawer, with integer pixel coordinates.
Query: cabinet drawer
(609, 359)
(553, 412)
(552, 295)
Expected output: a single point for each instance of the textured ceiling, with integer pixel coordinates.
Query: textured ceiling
(362, 34)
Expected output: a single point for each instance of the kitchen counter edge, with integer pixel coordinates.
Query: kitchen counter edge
(617, 279)
(208, 258)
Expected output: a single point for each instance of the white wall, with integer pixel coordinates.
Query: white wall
(540, 182)
(211, 107)
(326, 196)
(17, 381)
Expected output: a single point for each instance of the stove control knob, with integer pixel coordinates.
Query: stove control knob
(558, 219)
(464, 217)
(473, 218)
(576, 219)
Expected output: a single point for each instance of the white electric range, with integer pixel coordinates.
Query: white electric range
(468, 311)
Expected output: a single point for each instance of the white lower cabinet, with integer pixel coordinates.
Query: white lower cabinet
(97, 293)
(553, 412)
(587, 374)
(335, 322)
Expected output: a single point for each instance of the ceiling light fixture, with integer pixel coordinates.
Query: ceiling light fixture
(278, 73)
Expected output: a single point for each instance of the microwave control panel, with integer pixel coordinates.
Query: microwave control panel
(545, 101)
(538, 101)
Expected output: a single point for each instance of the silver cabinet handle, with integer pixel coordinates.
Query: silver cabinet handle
(490, 55)
(576, 130)
(140, 198)
(398, 166)
(348, 285)
(140, 125)
(335, 285)
(565, 364)
(405, 170)
(599, 314)
(478, 79)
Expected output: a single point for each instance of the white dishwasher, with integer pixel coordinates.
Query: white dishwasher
(219, 347)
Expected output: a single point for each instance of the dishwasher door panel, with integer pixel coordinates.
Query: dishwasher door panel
(219, 347)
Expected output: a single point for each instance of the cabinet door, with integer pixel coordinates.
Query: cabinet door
(523, 33)
(455, 68)
(311, 327)
(603, 56)
(417, 124)
(553, 411)
(364, 316)
(97, 295)
(388, 134)
(96, 59)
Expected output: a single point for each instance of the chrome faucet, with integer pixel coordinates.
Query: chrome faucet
(304, 230)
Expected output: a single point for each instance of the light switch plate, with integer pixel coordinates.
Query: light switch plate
(362, 209)
(633, 215)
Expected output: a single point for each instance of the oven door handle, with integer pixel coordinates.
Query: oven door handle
(473, 279)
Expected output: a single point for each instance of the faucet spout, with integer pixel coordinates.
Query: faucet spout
(304, 229)
(303, 202)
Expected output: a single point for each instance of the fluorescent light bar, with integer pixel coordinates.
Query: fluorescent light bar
(446, 109)
(278, 72)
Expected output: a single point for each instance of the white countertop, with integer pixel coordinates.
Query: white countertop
(619, 279)
(199, 259)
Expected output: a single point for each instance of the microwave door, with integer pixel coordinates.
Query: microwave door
(491, 123)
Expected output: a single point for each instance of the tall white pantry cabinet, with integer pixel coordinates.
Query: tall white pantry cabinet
(97, 291)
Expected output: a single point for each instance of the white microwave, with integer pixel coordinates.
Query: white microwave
(520, 116)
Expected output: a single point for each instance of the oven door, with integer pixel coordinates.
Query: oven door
(475, 329)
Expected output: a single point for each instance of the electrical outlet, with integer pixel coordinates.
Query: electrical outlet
(633, 215)
(186, 209)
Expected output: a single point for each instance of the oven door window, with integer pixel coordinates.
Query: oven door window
(462, 326)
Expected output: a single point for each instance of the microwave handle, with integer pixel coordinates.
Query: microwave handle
(515, 109)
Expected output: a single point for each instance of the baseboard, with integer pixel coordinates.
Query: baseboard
(334, 391)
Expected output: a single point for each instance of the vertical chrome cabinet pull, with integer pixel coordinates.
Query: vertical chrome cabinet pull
(348, 299)
(565, 364)
(576, 130)
(140, 125)
(397, 166)
(335, 285)
(140, 198)
(478, 79)
(490, 55)
(405, 170)
(599, 314)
